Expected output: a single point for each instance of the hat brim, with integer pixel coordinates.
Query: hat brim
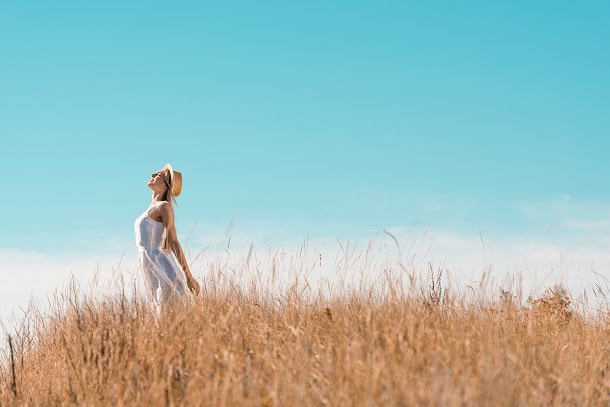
(175, 180)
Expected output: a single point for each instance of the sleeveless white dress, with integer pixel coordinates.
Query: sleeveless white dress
(163, 275)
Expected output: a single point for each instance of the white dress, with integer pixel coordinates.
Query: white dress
(163, 275)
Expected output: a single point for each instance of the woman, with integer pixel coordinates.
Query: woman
(166, 272)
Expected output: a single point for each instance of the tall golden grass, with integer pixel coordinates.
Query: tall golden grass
(240, 345)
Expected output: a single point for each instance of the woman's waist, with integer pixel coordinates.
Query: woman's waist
(149, 242)
(149, 248)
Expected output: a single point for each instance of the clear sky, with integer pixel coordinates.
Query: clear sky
(318, 119)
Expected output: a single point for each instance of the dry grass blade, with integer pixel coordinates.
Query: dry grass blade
(13, 375)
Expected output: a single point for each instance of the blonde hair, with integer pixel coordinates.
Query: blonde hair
(169, 197)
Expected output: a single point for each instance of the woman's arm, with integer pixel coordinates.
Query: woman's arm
(167, 215)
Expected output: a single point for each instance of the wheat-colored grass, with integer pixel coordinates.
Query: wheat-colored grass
(243, 346)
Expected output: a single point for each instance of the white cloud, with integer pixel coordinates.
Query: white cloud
(538, 261)
(29, 274)
(467, 258)
(589, 225)
(575, 215)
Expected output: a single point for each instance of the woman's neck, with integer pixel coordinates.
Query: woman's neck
(158, 197)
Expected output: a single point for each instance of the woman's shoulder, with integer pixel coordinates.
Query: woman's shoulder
(165, 206)
(162, 206)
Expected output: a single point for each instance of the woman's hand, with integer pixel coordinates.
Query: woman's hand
(193, 285)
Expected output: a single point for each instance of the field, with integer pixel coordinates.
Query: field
(243, 344)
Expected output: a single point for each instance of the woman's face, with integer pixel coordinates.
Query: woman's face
(157, 181)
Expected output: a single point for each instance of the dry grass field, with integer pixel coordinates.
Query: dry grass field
(246, 346)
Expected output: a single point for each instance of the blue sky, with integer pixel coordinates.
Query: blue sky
(325, 119)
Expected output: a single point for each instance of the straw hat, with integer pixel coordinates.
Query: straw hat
(175, 179)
